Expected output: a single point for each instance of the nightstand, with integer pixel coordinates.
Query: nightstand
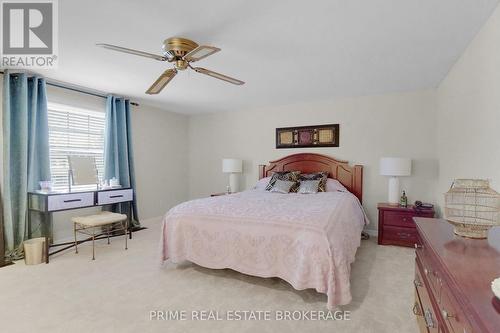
(396, 225)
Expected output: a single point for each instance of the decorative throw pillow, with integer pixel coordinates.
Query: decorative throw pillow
(291, 176)
(321, 176)
(282, 186)
(309, 186)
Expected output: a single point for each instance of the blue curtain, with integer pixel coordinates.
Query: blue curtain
(118, 154)
(26, 154)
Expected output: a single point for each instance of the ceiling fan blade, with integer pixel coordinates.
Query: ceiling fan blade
(200, 52)
(162, 81)
(218, 76)
(132, 51)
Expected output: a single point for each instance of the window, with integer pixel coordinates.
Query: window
(74, 131)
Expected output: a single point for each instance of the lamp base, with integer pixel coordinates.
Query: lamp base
(393, 191)
(233, 182)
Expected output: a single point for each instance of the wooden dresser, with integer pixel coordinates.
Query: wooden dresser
(396, 225)
(453, 280)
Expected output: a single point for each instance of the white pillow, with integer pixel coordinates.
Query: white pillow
(333, 185)
(282, 186)
(262, 184)
(309, 186)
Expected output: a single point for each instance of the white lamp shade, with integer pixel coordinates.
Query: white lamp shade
(395, 166)
(232, 165)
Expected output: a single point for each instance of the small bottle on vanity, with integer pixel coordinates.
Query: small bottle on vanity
(403, 201)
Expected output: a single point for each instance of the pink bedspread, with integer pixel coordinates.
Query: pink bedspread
(308, 240)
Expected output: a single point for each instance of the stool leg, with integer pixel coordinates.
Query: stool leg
(76, 242)
(108, 228)
(126, 233)
(93, 244)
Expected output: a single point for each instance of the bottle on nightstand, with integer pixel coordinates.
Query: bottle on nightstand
(403, 202)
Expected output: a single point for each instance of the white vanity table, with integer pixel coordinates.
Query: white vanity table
(46, 203)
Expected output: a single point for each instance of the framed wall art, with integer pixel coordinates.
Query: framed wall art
(308, 136)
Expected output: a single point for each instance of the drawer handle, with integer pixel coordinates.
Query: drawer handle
(404, 234)
(416, 309)
(429, 322)
(73, 200)
(418, 246)
(116, 196)
(404, 219)
(446, 315)
(427, 271)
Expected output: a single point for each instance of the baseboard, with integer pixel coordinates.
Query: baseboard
(6, 263)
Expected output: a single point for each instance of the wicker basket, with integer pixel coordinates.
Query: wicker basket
(472, 207)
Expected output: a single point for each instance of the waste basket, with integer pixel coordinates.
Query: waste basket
(34, 251)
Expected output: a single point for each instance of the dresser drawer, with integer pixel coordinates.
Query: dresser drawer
(114, 196)
(69, 201)
(424, 310)
(421, 302)
(399, 219)
(400, 236)
(451, 312)
(419, 313)
(430, 271)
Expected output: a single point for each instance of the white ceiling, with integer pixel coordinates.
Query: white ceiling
(286, 51)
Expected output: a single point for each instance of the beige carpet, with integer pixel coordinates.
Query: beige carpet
(116, 293)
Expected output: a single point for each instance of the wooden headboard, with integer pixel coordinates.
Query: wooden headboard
(349, 176)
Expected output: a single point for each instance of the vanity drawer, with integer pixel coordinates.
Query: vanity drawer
(70, 201)
(114, 196)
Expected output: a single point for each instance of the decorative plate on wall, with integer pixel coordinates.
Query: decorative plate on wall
(308, 136)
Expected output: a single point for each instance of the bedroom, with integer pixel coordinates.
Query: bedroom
(416, 80)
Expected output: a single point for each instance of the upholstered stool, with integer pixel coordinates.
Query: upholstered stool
(88, 224)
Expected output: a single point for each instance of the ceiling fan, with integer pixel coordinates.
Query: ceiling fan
(181, 52)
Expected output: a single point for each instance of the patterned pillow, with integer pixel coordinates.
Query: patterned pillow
(291, 176)
(282, 186)
(321, 176)
(309, 186)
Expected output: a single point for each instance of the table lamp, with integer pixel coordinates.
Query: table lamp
(232, 166)
(394, 167)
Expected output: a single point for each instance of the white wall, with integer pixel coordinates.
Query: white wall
(370, 127)
(160, 156)
(468, 134)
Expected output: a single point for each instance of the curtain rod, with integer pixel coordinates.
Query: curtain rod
(68, 86)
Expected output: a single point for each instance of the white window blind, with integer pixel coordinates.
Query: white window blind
(73, 131)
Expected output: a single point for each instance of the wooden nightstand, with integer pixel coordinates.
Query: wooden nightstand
(396, 225)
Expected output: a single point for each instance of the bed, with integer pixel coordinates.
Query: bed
(308, 240)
